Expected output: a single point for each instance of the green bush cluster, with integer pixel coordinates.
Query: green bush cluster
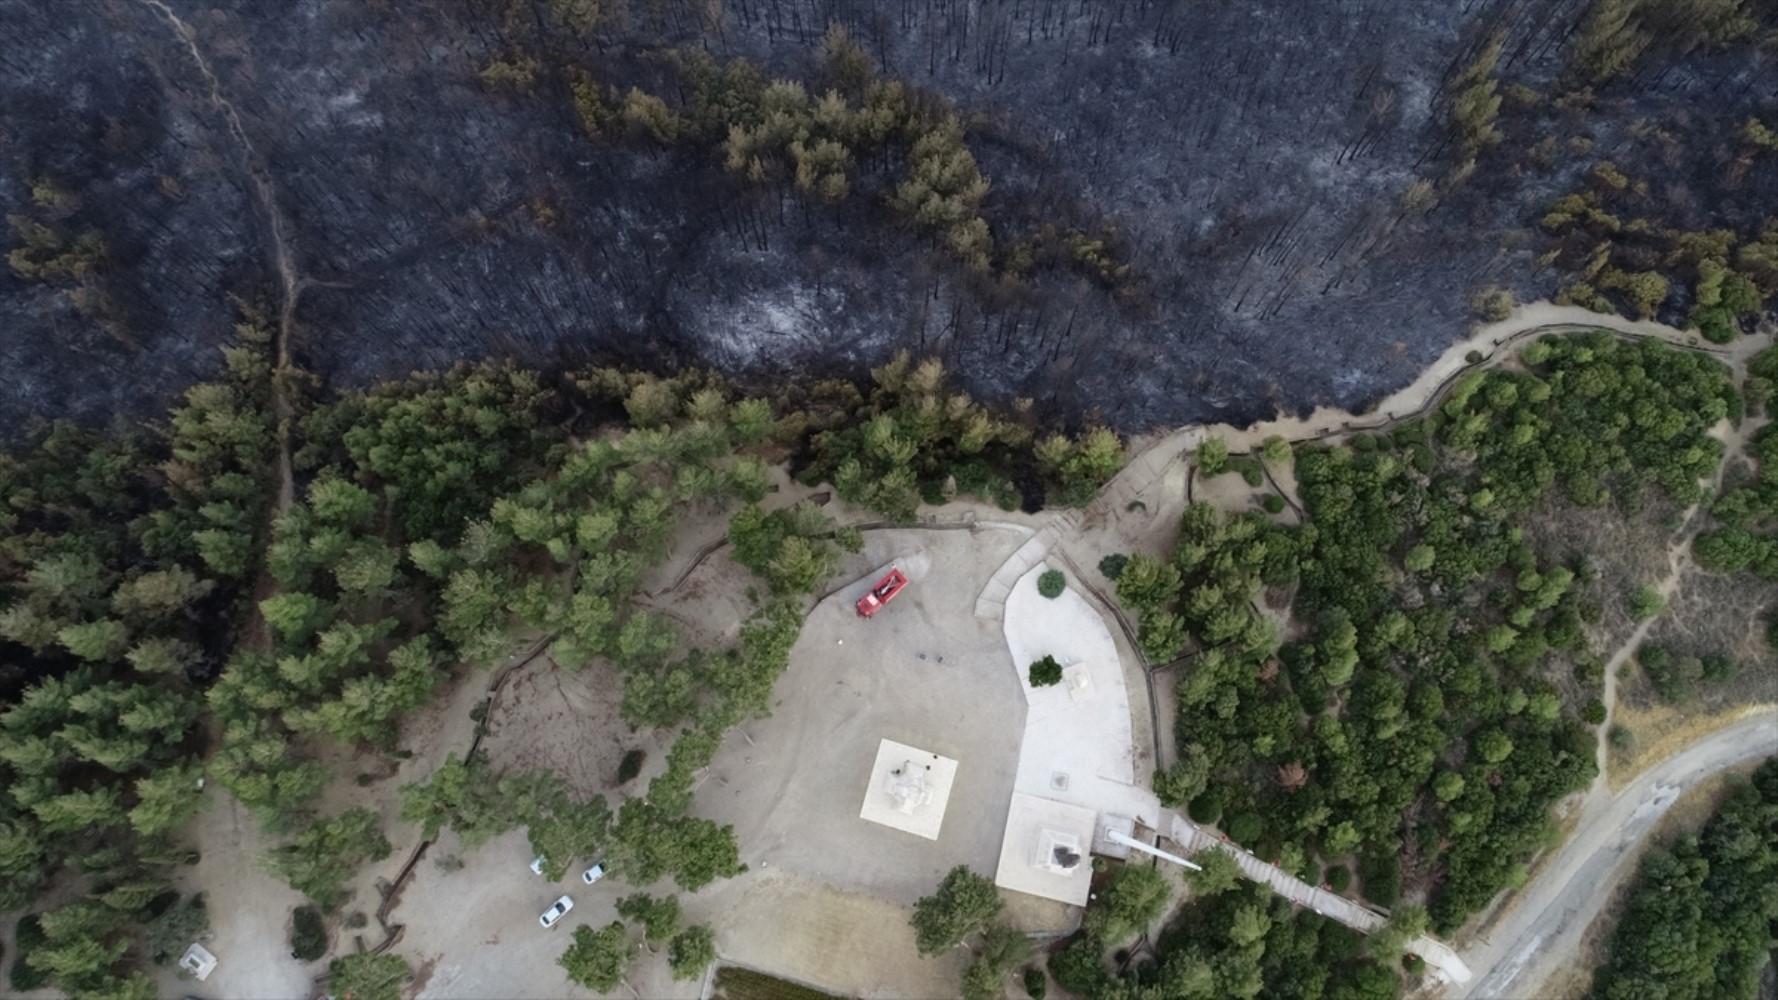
(1744, 537)
(121, 556)
(916, 439)
(1424, 685)
(308, 934)
(1207, 589)
(1594, 409)
(862, 135)
(1241, 942)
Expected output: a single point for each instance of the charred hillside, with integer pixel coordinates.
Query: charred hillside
(1183, 210)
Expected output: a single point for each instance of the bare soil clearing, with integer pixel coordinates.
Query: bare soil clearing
(567, 721)
(924, 671)
(249, 910)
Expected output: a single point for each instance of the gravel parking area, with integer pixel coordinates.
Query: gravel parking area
(826, 899)
(925, 671)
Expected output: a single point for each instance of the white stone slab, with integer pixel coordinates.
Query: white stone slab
(1035, 828)
(908, 789)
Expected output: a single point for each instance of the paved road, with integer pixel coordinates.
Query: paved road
(1544, 925)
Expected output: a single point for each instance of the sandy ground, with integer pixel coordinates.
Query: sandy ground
(474, 932)
(567, 721)
(249, 911)
(1542, 928)
(826, 898)
(924, 672)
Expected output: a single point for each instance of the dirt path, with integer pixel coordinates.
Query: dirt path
(283, 254)
(1544, 926)
(1493, 342)
(1679, 563)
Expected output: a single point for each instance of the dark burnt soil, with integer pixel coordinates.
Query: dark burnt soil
(1255, 156)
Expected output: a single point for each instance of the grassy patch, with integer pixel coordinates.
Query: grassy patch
(745, 984)
(1659, 732)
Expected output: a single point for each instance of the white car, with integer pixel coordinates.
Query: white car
(593, 874)
(556, 912)
(537, 865)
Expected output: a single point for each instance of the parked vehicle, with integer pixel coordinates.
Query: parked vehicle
(593, 874)
(882, 593)
(556, 912)
(537, 865)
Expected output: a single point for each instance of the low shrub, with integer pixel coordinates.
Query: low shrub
(631, 766)
(1491, 304)
(1380, 878)
(1246, 828)
(1045, 672)
(1079, 968)
(1339, 879)
(1052, 583)
(27, 937)
(308, 934)
(1646, 602)
(1036, 983)
(1112, 566)
(1207, 808)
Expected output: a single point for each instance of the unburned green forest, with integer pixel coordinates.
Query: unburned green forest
(170, 626)
(1436, 686)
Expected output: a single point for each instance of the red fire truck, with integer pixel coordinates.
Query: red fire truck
(882, 593)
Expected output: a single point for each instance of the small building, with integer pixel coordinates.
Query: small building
(198, 961)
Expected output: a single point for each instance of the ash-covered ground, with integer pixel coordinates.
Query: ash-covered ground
(1258, 158)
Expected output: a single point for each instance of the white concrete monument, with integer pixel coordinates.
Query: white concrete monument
(1044, 849)
(908, 789)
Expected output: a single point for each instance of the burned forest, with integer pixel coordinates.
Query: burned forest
(1137, 211)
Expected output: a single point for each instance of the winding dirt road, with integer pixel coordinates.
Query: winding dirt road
(1544, 926)
(282, 249)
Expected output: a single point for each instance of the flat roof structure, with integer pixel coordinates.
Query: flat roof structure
(1045, 849)
(908, 789)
